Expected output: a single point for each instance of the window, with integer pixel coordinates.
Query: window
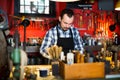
(44, 8)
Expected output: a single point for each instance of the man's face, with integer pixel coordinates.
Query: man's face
(66, 22)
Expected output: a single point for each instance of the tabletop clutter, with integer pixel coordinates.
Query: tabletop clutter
(73, 56)
(73, 63)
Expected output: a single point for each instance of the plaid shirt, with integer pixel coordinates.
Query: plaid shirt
(51, 38)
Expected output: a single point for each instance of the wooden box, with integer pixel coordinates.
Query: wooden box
(82, 70)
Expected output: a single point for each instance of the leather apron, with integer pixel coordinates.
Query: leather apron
(66, 43)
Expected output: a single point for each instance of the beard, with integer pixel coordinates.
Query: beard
(65, 29)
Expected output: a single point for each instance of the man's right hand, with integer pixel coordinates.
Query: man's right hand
(46, 56)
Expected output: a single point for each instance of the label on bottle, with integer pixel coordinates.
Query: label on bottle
(70, 58)
(62, 57)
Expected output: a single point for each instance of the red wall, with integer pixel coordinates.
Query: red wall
(59, 7)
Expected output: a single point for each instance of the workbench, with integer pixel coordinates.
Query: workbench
(112, 76)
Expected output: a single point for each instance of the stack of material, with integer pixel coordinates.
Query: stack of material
(54, 52)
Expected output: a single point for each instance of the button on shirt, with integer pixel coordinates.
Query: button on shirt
(51, 38)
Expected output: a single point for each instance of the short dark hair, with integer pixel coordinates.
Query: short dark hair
(69, 13)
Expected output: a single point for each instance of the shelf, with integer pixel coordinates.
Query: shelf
(29, 49)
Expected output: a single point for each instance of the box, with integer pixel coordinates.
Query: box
(82, 70)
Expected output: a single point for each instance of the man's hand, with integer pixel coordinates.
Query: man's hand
(46, 56)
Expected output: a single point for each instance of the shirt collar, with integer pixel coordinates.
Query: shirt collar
(59, 27)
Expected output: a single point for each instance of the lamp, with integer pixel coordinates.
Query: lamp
(65, 0)
(117, 6)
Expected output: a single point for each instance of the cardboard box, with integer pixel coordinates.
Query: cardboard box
(82, 70)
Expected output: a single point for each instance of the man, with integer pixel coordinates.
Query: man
(64, 34)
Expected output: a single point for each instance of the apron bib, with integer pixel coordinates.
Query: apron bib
(66, 43)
